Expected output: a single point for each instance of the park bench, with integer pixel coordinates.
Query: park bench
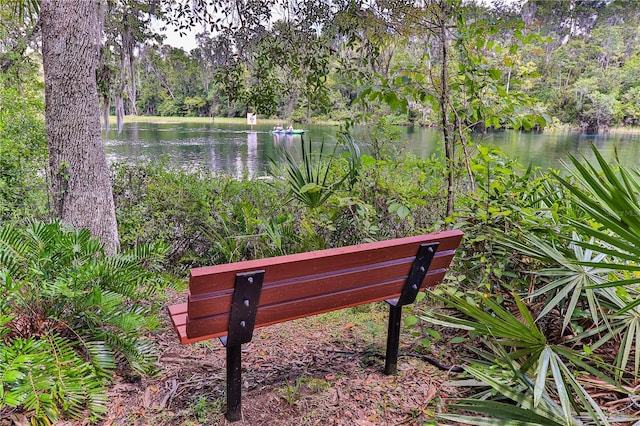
(230, 300)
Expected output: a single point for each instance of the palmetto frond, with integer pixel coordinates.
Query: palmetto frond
(571, 277)
(610, 194)
(610, 197)
(521, 341)
(516, 387)
(309, 181)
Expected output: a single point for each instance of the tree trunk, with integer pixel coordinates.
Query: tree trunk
(447, 133)
(80, 183)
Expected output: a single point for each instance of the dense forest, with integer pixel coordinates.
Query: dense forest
(578, 60)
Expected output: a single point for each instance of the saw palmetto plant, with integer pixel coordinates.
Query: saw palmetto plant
(313, 179)
(544, 369)
(587, 270)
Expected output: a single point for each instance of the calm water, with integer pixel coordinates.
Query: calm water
(235, 150)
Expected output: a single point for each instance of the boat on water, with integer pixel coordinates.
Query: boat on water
(288, 132)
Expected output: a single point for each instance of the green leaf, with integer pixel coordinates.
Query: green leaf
(310, 187)
(410, 320)
(368, 160)
(403, 212)
(499, 413)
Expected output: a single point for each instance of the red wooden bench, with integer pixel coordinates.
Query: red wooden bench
(230, 300)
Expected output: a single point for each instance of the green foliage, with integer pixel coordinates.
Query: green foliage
(504, 67)
(609, 196)
(523, 343)
(576, 240)
(509, 200)
(23, 152)
(69, 317)
(208, 219)
(146, 214)
(570, 282)
(599, 111)
(310, 181)
(519, 391)
(47, 377)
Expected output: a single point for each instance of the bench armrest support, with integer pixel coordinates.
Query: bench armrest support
(244, 307)
(419, 269)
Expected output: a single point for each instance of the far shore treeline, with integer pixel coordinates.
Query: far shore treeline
(579, 64)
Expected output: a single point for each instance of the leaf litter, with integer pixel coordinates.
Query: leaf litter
(312, 371)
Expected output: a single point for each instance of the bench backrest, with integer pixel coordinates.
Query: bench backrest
(305, 284)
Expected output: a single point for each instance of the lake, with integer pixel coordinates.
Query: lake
(237, 151)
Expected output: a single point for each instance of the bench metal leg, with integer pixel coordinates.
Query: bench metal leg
(234, 383)
(393, 340)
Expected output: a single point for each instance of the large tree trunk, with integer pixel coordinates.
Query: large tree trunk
(80, 183)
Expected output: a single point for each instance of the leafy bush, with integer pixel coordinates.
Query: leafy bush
(205, 219)
(23, 152)
(155, 203)
(509, 200)
(69, 318)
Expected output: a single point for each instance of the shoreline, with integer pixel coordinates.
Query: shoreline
(211, 120)
(273, 121)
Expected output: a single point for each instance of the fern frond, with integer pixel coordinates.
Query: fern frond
(85, 312)
(128, 322)
(31, 385)
(98, 403)
(72, 385)
(100, 356)
(14, 250)
(140, 354)
(39, 400)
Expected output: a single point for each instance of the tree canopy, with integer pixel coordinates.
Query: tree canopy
(459, 65)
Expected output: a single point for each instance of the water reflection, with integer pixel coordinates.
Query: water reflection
(284, 140)
(240, 152)
(252, 154)
(247, 161)
(551, 150)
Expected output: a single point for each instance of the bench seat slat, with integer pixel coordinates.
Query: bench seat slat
(178, 315)
(205, 305)
(216, 326)
(222, 277)
(305, 284)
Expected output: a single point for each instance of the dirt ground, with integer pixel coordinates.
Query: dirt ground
(323, 370)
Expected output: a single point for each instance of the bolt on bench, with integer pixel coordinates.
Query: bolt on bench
(230, 300)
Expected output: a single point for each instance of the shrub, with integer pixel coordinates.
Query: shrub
(69, 318)
(574, 321)
(203, 218)
(23, 152)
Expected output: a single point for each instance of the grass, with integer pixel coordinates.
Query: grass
(208, 120)
(158, 119)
